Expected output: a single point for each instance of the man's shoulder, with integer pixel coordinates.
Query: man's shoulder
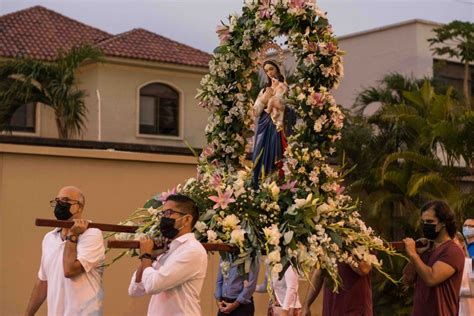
(193, 245)
(198, 246)
(51, 234)
(451, 253)
(92, 232)
(92, 235)
(453, 248)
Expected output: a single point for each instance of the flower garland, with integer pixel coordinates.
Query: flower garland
(303, 220)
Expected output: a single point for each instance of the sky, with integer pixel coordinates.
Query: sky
(193, 22)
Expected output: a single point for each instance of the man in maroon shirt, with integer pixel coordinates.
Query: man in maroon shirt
(437, 272)
(354, 297)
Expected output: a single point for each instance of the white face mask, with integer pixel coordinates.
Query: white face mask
(468, 231)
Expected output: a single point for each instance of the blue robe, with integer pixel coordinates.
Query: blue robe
(269, 144)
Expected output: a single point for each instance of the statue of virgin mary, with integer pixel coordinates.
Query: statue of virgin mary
(270, 140)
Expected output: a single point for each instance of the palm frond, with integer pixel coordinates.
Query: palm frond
(52, 84)
(428, 163)
(420, 182)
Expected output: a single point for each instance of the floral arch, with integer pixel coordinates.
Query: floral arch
(301, 219)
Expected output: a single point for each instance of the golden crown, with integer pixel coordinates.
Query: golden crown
(270, 51)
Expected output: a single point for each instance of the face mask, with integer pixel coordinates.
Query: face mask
(62, 211)
(167, 227)
(468, 231)
(429, 231)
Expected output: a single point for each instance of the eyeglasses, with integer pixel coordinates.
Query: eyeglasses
(168, 212)
(55, 202)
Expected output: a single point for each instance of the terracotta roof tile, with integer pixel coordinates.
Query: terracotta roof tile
(39, 33)
(145, 45)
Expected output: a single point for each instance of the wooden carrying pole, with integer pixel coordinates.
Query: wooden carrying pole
(399, 245)
(130, 244)
(135, 244)
(123, 244)
(68, 224)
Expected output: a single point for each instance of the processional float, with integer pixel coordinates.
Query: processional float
(298, 214)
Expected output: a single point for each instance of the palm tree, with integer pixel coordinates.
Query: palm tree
(456, 39)
(409, 150)
(24, 80)
(389, 90)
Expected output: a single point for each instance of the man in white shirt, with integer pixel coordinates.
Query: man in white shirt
(70, 274)
(175, 279)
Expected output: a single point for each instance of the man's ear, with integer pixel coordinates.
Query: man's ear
(80, 209)
(190, 221)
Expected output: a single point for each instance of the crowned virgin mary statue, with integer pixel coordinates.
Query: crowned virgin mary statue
(269, 108)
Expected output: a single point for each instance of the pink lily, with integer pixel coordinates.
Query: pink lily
(298, 4)
(223, 33)
(316, 98)
(222, 199)
(164, 195)
(208, 151)
(216, 181)
(290, 185)
(340, 189)
(203, 104)
(265, 9)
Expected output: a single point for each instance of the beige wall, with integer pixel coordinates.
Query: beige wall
(115, 183)
(118, 82)
(372, 55)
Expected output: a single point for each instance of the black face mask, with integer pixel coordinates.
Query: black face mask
(429, 231)
(62, 210)
(167, 227)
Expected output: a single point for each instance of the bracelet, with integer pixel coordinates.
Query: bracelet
(145, 256)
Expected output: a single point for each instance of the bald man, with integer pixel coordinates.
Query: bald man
(70, 273)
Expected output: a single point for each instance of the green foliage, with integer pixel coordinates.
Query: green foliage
(406, 153)
(386, 293)
(24, 80)
(411, 146)
(456, 40)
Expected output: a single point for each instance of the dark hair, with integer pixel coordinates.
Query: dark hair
(279, 76)
(444, 213)
(186, 205)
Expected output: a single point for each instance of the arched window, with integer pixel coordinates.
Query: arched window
(159, 110)
(24, 119)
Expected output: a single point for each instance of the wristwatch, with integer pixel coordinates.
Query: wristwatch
(146, 256)
(72, 238)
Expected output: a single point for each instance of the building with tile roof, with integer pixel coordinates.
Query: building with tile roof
(39, 33)
(143, 92)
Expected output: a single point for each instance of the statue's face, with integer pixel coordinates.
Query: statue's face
(270, 70)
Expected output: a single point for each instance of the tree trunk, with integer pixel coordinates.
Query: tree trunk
(467, 95)
(62, 130)
(398, 219)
